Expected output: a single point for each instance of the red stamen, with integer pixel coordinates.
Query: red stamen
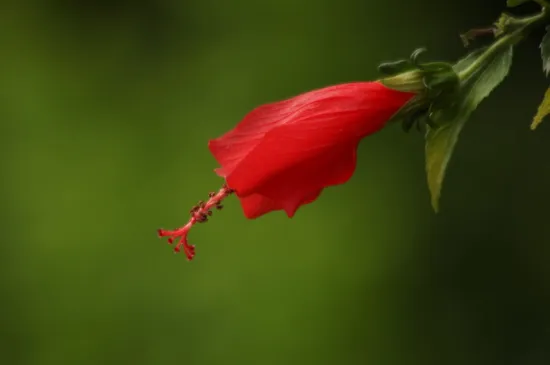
(199, 214)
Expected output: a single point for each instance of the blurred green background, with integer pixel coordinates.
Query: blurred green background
(106, 108)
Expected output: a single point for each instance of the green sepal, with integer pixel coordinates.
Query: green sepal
(440, 76)
(410, 75)
(395, 67)
(434, 82)
(409, 81)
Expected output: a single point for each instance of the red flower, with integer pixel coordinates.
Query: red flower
(282, 155)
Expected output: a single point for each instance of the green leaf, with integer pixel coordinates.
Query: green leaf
(543, 111)
(514, 3)
(440, 142)
(545, 51)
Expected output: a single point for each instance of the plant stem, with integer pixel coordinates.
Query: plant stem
(525, 25)
(472, 34)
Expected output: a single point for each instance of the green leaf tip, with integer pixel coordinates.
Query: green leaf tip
(441, 141)
(543, 110)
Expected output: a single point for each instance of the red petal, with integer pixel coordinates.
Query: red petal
(256, 205)
(287, 152)
(233, 146)
(303, 182)
(338, 118)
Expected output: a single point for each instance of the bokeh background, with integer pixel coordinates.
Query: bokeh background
(106, 107)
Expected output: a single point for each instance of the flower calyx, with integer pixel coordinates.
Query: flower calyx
(434, 83)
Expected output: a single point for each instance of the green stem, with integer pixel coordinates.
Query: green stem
(524, 26)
